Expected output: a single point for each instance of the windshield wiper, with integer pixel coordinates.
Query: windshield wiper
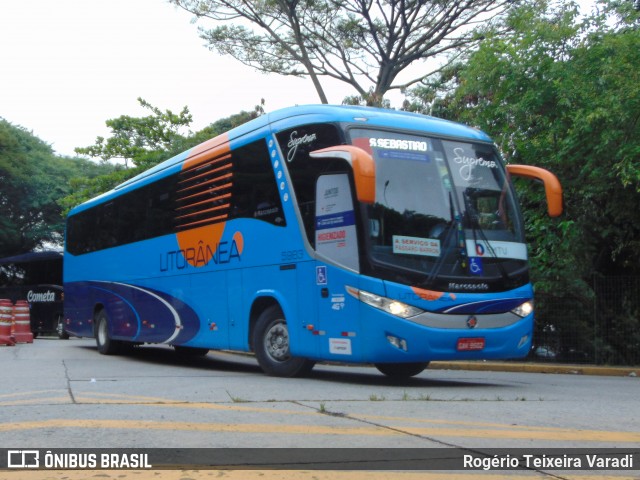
(455, 227)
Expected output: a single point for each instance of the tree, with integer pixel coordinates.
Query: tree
(145, 142)
(134, 138)
(32, 180)
(364, 43)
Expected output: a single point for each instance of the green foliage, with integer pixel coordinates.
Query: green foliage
(83, 188)
(147, 141)
(138, 139)
(32, 180)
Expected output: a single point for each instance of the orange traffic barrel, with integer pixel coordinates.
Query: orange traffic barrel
(6, 316)
(22, 322)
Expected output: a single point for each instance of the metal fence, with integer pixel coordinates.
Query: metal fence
(601, 328)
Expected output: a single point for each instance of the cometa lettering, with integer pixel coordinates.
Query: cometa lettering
(223, 253)
(41, 297)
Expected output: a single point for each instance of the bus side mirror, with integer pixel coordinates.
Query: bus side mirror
(362, 164)
(552, 187)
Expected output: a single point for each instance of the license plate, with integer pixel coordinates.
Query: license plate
(470, 344)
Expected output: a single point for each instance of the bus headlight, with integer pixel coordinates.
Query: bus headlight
(394, 307)
(524, 309)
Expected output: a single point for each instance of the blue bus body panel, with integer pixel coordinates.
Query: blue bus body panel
(351, 331)
(140, 278)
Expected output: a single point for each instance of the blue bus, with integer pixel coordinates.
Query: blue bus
(313, 233)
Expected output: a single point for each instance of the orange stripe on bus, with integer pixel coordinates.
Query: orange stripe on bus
(208, 150)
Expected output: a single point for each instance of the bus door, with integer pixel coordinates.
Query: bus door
(337, 265)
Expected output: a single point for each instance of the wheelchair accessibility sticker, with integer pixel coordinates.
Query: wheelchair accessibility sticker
(475, 266)
(321, 275)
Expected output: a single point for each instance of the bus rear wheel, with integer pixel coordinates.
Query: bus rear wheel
(106, 345)
(271, 346)
(401, 370)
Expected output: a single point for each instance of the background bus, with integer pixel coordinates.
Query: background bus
(37, 278)
(313, 233)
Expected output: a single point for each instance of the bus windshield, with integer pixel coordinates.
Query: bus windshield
(444, 211)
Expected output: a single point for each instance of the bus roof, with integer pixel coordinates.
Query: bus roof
(32, 257)
(374, 116)
(305, 114)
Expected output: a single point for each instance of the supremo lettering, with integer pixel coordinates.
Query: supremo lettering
(295, 142)
(224, 253)
(468, 163)
(397, 144)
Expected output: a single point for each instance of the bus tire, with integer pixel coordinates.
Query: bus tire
(62, 333)
(106, 345)
(401, 370)
(271, 346)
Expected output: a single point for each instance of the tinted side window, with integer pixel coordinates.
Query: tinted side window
(31, 273)
(255, 191)
(137, 215)
(296, 143)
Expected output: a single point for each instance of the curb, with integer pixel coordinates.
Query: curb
(538, 368)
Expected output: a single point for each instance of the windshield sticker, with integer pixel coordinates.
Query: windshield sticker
(475, 266)
(398, 144)
(335, 220)
(467, 163)
(427, 247)
(402, 155)
(295, 142)
(496, 249)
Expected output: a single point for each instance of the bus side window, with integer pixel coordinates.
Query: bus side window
(255, 191)
(335, 235)
(296, 144)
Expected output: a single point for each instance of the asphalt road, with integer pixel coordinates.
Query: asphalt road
(63, 394)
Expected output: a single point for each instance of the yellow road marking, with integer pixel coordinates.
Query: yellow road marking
(280, 428)
(196, 427)
(163, 402)
(35, 401)
(35, 392)
(441, 428)
(530, 433)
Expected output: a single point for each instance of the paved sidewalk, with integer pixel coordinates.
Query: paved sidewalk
(538, 368)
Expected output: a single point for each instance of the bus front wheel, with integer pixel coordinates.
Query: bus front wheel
(106, 345)
(271, 346)
(401, 370)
